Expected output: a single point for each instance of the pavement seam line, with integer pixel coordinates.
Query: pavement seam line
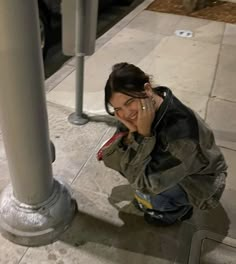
(48, 90)
(23, 255)
(215, 73)
(105, 195)
(226, 148)
(123, 23)
(223, 99)
(66, 108)
(90, 156)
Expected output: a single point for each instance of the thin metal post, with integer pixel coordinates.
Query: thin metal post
(79, 85)
(35, 208)
(78, 118)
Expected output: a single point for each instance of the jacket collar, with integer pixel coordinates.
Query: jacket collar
(167, 95)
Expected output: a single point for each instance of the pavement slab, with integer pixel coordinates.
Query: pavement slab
(74, 144)
(220, 117)
(177, 73)
(188, 51)
(10, 253)
(193, 100)
(224, 86)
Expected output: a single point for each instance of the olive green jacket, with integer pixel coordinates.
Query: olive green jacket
(181, 151)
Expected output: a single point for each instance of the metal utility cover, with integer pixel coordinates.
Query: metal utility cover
(211, 248)
(184, 33)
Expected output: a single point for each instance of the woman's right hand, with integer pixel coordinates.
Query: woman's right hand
(129, 125)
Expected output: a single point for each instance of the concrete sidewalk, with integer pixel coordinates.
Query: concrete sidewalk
(108, 229)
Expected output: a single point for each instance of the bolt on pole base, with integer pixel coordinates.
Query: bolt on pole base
(36, 225)
(78, 119)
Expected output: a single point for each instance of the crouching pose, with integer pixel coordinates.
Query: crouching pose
(162, 147)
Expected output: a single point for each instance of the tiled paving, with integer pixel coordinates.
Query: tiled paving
(108, 229)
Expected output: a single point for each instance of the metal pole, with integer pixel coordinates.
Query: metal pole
(78, 118)
(35, 209)
(79, 85)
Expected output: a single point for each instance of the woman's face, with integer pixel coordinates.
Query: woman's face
(125, 107)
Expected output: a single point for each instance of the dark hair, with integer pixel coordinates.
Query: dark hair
(127, 79)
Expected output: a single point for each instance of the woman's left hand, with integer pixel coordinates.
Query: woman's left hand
(146, 116)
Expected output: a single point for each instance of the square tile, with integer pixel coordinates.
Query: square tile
(224, 86)
(220, 115)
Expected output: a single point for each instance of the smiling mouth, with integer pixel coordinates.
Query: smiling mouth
(133, 117)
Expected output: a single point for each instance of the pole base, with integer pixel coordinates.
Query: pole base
(78, 120)
(36, 225)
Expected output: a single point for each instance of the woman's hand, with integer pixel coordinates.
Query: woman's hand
(129, 125)
(146, 116)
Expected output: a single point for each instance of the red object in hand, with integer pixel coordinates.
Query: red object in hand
(109, 142)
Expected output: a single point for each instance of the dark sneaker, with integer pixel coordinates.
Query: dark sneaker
(155, 219)
(163, 219)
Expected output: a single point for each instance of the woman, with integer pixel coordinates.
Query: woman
(165, 150)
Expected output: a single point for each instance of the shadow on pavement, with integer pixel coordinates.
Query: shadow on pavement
(132, 236)
(97, 231)
(191, 235)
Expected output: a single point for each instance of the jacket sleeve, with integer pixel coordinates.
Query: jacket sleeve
(152, 174)
(121, 157)
(179, 160)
